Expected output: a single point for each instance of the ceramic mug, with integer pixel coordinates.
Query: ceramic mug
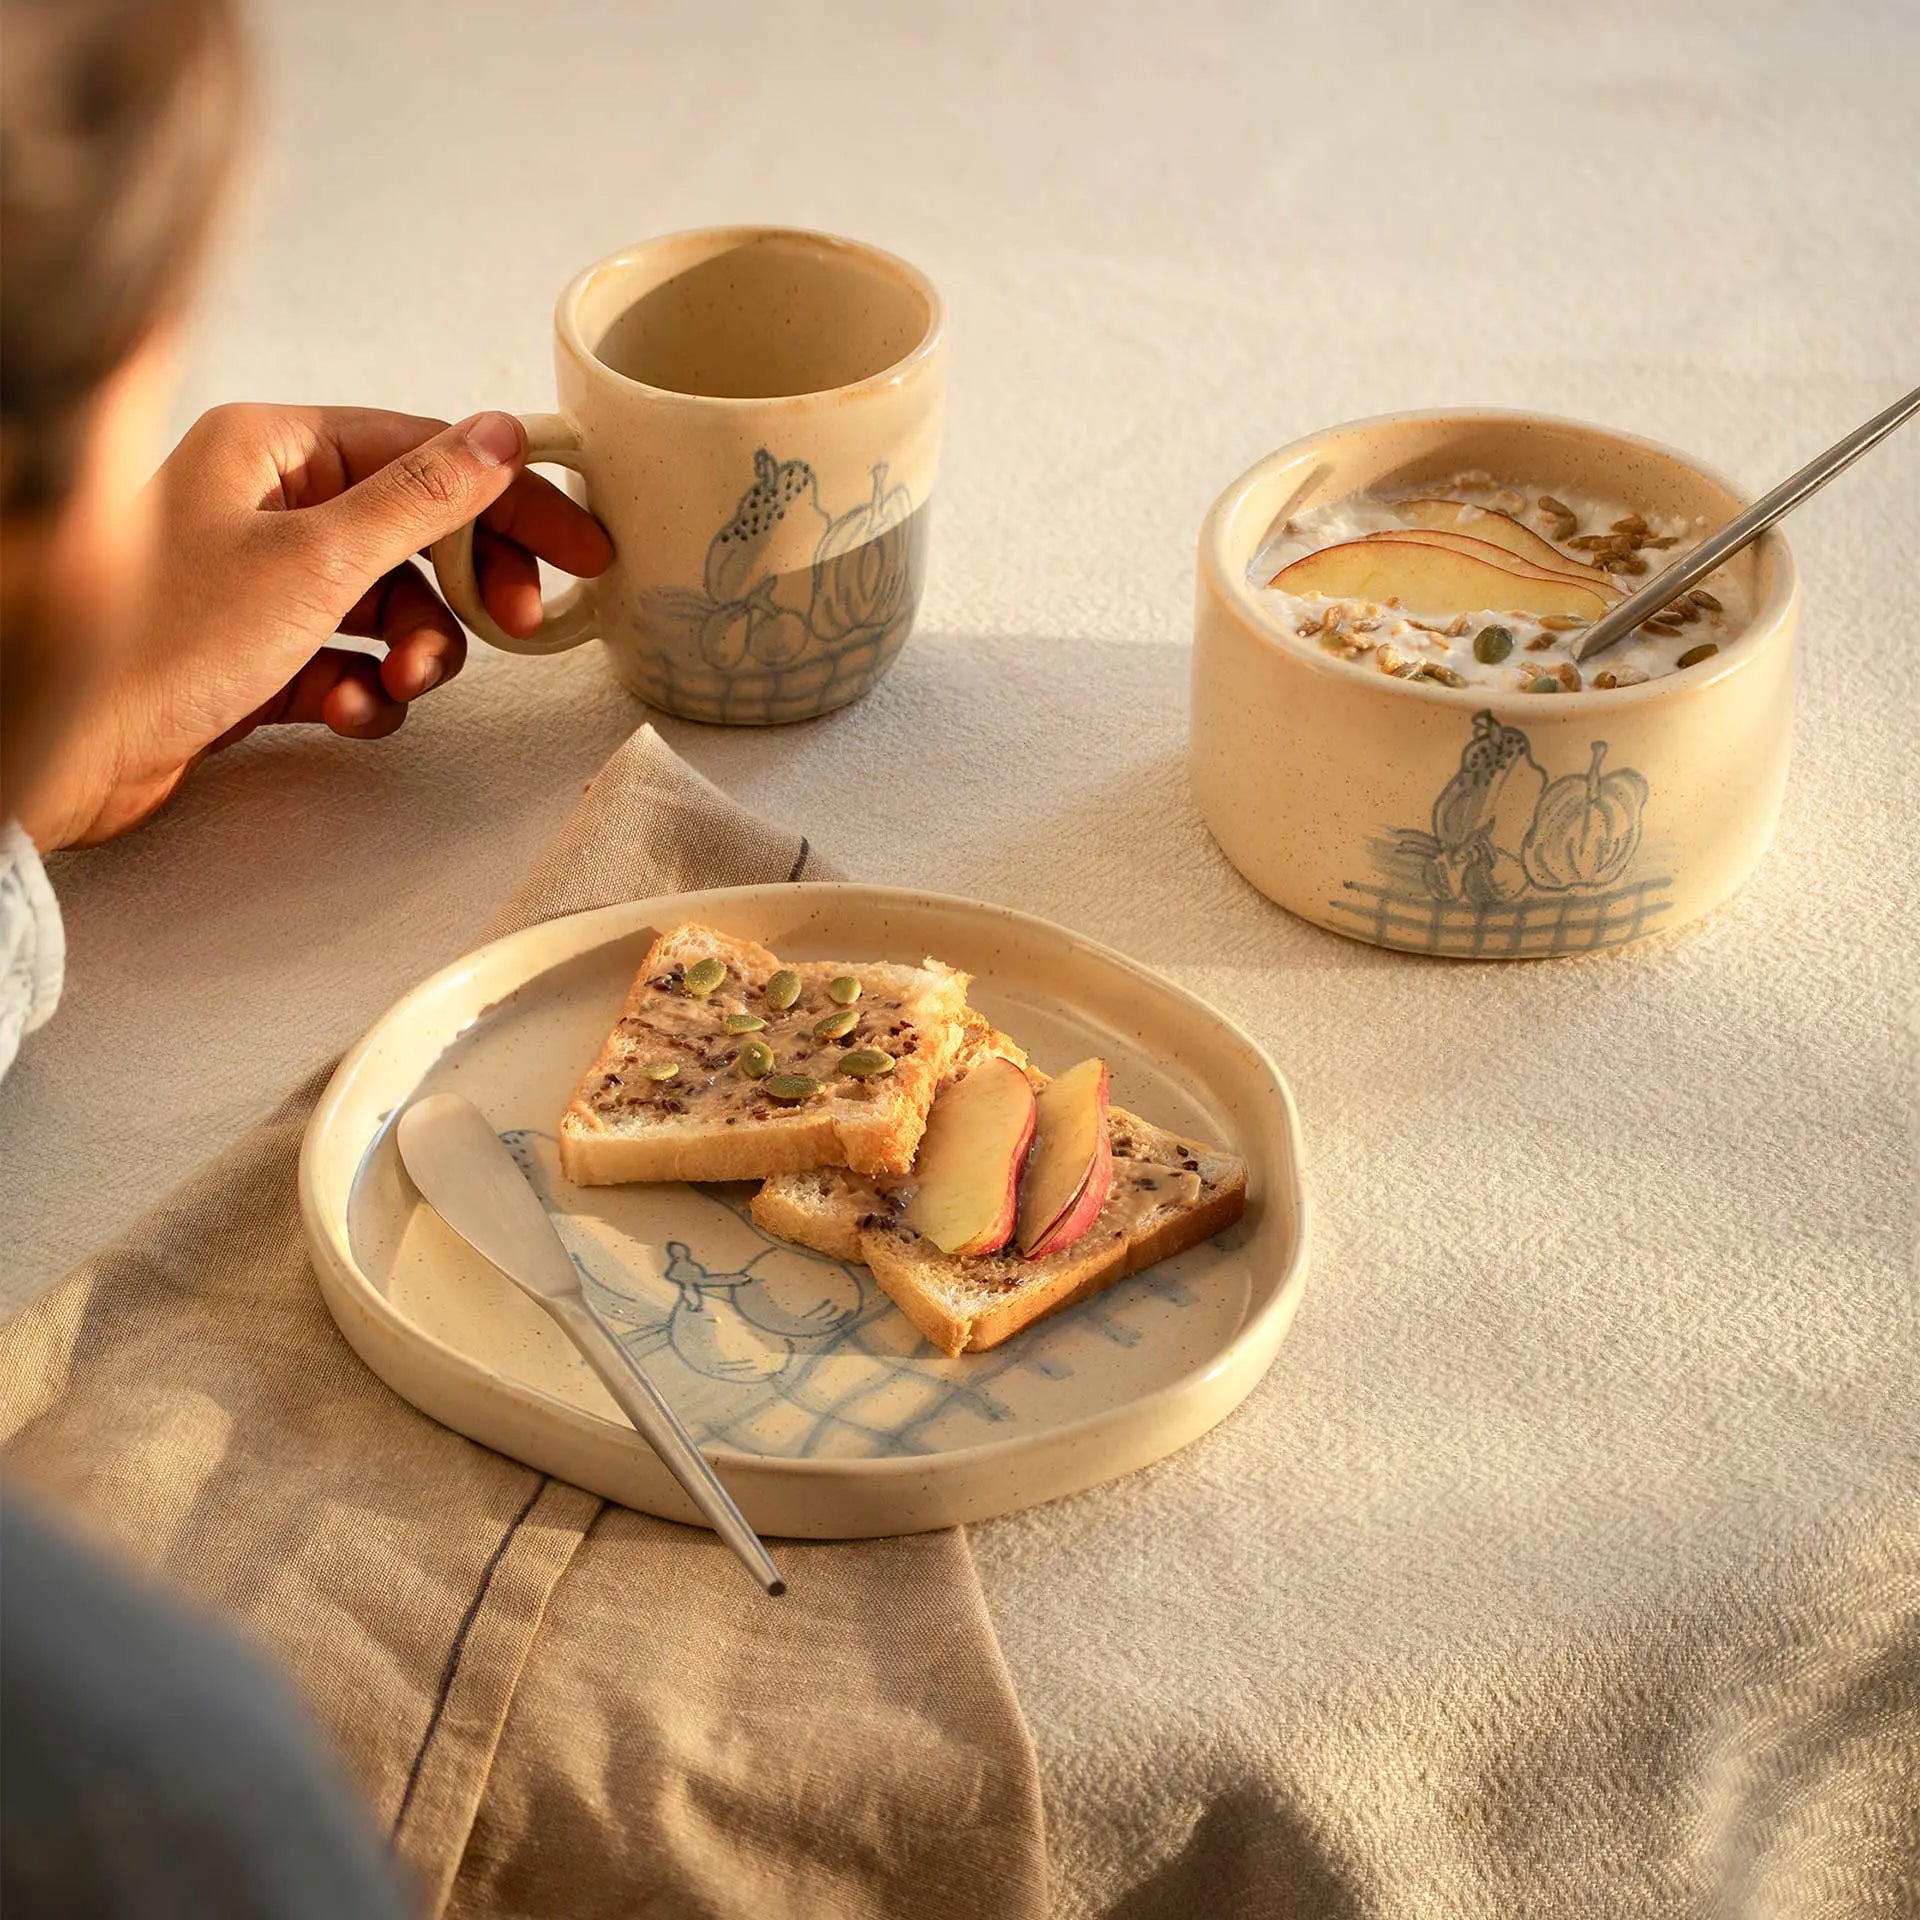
(756, 415)
(1597, 817)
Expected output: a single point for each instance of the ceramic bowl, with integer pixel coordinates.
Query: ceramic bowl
(1334, 787)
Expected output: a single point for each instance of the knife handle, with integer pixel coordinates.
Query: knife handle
(656, 1422)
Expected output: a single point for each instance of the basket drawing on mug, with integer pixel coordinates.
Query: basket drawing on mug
(1514, 863)
(750, 644)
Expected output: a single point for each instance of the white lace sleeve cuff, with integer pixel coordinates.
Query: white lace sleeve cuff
(33, 944)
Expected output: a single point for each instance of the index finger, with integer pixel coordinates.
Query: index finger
(535, 514)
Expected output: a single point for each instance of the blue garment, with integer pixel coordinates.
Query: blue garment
(151, 1768)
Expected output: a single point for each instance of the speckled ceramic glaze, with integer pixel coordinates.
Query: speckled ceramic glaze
(822, 1406)
(1595, 818)
(756, 415)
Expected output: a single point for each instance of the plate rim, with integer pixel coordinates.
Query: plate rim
(329, 1246)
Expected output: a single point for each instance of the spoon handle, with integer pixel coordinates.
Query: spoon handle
(1669, 585)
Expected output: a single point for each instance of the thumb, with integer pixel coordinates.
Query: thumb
(424, 494)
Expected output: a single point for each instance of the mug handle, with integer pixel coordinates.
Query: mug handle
(553, 438)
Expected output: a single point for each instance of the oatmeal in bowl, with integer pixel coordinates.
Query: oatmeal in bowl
(1390, 733)
(1470, 583)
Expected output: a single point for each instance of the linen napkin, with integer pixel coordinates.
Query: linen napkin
(553, 1705)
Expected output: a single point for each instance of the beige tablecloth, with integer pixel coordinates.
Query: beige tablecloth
(1565, 1562)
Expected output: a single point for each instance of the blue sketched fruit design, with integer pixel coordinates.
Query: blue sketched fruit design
(754, 643)
(1512, 861)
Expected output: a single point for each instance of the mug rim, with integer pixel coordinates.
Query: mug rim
(567, 307)
(1770, 619)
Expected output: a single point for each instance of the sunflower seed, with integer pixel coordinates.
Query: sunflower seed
(666, 1070)
(1631, 523)
(1561, 622)
(1694, 655)
(1705, 601)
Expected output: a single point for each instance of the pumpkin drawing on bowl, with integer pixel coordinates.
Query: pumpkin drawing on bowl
(1586, 827)
(862, 573)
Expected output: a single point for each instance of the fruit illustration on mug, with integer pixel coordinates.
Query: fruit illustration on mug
(861, 573)
(1586, 827)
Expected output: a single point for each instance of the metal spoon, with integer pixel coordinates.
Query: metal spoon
(470, 1180)
(1667, 586)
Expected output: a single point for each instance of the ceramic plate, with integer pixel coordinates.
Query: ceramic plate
(826, 1413)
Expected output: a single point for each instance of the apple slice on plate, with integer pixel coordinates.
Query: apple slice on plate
(1496, 557)
(970, 1160)
(1496, 528)
(1071, 1172)
(1433, 579)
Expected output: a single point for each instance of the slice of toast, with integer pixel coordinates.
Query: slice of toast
(1169, 1194)
(710, 1122)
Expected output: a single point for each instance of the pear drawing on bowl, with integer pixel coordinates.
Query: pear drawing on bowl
(1483, 816)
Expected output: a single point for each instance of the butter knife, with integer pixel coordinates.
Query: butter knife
(471, 1181)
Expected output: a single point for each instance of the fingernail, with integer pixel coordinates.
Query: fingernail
(429, 678)
(494, 437)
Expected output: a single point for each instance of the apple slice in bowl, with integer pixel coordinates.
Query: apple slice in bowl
(1502, 557)
(1433, 579)
(1495, 528)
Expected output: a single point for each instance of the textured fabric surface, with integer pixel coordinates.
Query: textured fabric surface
(1591, 1447)
(186, 1394)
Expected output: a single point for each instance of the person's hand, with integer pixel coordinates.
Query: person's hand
(279, 527)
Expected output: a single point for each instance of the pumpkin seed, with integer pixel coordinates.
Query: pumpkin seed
(836, 1026)
(844, 991)
(755, 1061)
(704, 976)
(743, 1023)
(1544, 683)
(1694, 655)
(791, 1088)
(1491, 645)
(1445, 676)
(1705, 601)
(666, 1070)
(866, 1063)
(783, 990)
